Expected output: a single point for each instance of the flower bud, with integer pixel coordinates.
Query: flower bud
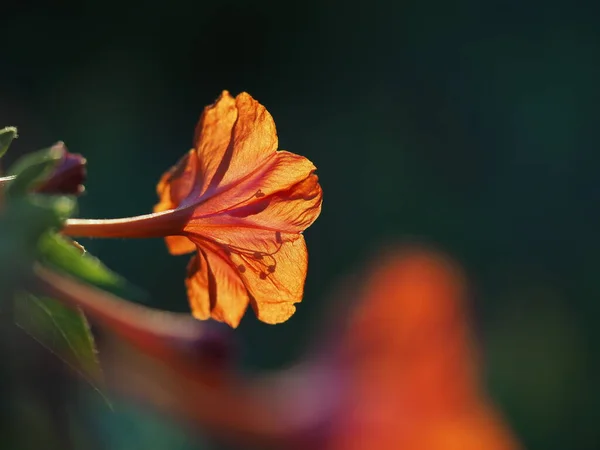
(68, 176)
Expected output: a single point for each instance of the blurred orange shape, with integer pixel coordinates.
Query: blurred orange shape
(411, 366)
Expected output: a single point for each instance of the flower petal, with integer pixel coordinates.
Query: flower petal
(280, 173)
(289, 211)
(179, 245)
(177, 184)
(214, 287)
(233, 138)
(274, 293)
(272, 266)
(173, 188)
(197, 286)
(259, 231)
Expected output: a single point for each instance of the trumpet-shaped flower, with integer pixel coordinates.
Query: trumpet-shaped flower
(239, 204)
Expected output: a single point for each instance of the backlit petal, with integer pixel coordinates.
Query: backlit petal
(196, 283)
(289, 211)
(280, 173)
(215, 288)
(274, 295)
(233, 138)
(179, 245)
(272, 267)
(178, 183)
(173, 188)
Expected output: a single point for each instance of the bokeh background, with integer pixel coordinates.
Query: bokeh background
(470, 125)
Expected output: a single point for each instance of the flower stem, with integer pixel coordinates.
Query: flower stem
(160, 224)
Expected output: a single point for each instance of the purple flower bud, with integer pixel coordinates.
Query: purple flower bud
(68, 176)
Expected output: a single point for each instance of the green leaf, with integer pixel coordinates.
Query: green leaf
(22, 223)
(63, 331)
(6, 137)
(62, 206)
(26, 219)
(61, 254)
(32, 169)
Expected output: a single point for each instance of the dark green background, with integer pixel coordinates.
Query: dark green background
(472, 125)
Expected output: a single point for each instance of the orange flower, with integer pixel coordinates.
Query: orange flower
(412, 365)
(242, 206)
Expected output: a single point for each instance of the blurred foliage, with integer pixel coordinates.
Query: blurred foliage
(29, 223)
(64, 331)
(469, 125)
(7, 134)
